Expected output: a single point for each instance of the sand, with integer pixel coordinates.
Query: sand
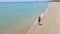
(50, 21)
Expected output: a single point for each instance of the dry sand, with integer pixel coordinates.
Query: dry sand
(50, 21)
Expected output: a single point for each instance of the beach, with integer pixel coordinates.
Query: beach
(50, 21)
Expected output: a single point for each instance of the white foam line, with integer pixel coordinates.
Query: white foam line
(46, 11)
(37, 19)
(41, 16)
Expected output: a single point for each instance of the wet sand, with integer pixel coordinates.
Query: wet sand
(50, 21)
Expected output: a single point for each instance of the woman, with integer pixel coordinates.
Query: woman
(39, 19)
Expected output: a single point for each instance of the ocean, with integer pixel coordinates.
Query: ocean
(16, 17)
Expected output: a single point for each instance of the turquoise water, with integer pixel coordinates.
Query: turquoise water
(19, 14)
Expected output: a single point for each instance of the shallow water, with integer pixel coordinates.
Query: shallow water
(17, 16)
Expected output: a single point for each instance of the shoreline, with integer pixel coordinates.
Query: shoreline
(35, 23)
(50, 21)
(46, 11)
